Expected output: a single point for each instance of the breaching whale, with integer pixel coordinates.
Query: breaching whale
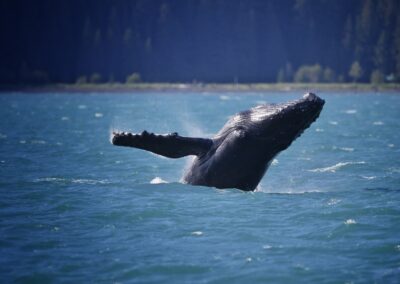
(241, 152)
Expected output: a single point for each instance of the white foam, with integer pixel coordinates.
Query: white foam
(319, 130)
(285, 190)
(98, 114)
(336, 167)
(346, 149)
(304, 158)
(378, 123)
(369, 177)
(224, 98)
(333, 201)
(79, 181)
(157, 180)
(197, 233)
(350, 222)
(351, 111)
(88, 181)
(333, 122)
(64, 118)
(82, 107)
(259, 188)
(274, 162)
(390, 145)
(49, 179)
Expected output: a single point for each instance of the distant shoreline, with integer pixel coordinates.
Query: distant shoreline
(209, 87)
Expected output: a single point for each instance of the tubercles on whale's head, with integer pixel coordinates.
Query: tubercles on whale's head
(285, 122)
(310, 97)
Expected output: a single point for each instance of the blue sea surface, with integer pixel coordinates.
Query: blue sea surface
(75, 209)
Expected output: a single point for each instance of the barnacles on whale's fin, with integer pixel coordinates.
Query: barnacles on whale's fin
(169, 145)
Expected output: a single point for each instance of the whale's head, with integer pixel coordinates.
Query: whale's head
(244, 148)
(283, 123)
(276, 124)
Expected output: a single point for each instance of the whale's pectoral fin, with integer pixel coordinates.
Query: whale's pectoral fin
(170, 145)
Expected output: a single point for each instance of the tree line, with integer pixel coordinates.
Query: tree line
(74, 41)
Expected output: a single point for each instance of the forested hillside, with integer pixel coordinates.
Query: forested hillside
(81, 41)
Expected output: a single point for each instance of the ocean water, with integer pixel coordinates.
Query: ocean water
(75, 209)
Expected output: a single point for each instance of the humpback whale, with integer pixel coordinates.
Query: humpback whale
(240, 153)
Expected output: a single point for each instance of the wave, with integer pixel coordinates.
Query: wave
(350, 111)
(336, 167)
(287, 190)
(369, 177)
(71, 180)
(345, 149)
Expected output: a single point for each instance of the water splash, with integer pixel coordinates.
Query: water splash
(336, 167)
(158, 180)
(350, 222)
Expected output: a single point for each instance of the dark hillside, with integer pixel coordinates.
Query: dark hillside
(201, 40)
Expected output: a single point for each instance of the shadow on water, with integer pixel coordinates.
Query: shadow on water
(382, 189)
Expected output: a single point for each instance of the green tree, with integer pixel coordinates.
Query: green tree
(355, 71)
(127, 38)
(396, 48)
(380, 53)
(95, 78)
(288, 72)
(81, 80)
(281, 76)
(328, 75)
(133, 78)
(366, 28)
(87, 31)
(97, 37)
(308, 73)
(377, 77)
(348, 33)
